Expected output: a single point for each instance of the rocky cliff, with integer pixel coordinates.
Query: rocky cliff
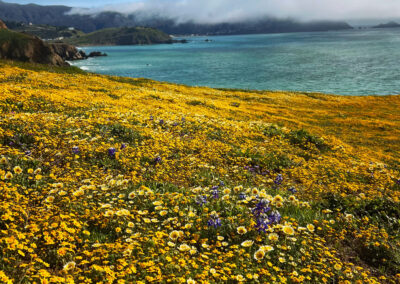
(26, 48)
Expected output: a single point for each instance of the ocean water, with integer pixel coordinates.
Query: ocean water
(357, 62)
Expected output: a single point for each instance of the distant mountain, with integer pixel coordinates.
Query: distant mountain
(58, 16)
(387, 25)
(121, 36)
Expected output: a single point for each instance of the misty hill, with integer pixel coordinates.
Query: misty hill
(387, 25)
(57, 16)
(122, 36)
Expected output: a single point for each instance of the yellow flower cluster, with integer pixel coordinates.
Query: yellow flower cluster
(115, 180)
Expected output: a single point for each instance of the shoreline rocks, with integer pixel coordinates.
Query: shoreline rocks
(70, 53)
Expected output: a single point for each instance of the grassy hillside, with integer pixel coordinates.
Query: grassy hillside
(110, 179)
(121, 36)
(16, 39)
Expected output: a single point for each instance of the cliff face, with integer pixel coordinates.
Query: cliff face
(26, 48)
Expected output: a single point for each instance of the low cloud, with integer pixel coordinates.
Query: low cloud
(217, 11)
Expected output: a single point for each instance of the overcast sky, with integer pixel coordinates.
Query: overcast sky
(213, 11)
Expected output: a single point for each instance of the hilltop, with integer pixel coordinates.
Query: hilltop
(106, 178)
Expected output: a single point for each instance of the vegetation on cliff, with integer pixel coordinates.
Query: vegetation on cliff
(110, 179)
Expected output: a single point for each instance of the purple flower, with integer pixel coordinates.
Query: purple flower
(215, 193)
(151, 117)
(111, 152)
(242, 196)
(123, 146)
(292, 189)
(214, 221)
(261, 208)
(201, 200)
(161, 121)
(75, 150)
(28, 152)
(398, 181)
(157, 160)
(279, 179)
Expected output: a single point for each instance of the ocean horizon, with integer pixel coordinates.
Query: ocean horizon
(353, 62)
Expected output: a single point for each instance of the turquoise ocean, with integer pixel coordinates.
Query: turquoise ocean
(354, 62)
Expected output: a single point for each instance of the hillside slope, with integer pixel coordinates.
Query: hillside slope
(108, 178)
(121, 36)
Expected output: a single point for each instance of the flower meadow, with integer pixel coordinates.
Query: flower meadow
(115, 180)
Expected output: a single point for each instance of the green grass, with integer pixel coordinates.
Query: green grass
(43, 68)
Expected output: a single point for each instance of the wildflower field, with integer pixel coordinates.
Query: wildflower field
(116, 180)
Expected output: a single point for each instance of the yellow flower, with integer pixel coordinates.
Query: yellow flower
(288, 230)
(277, 199)
(50, 199)
(69, 266)
(174, 235)
(310, 227)
(247, 243)
(273, 237)
(282, 260)
(267, 248)
(3, 160)
(18, 170)
(78, 193)
(38, 177)
(30, 171)
(190, 281)
(184, 247)
(337, 266)
(241, 230)
(258, 255)
(8, 175)
(240, 278)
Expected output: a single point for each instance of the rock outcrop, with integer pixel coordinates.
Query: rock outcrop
(68, 52)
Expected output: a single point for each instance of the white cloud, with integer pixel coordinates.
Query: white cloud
(216, 11)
